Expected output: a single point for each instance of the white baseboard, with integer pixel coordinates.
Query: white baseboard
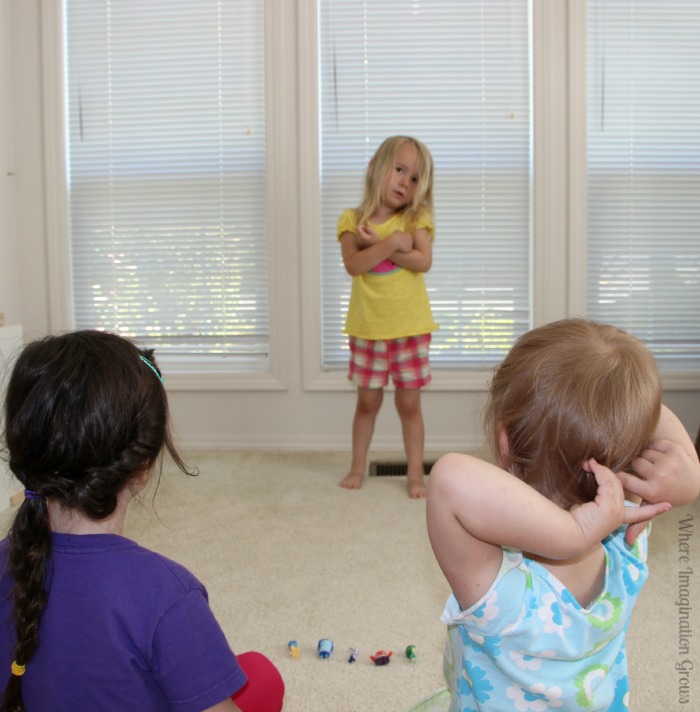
(269, 443)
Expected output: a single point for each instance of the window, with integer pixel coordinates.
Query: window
(183, 218)
(643, 178)
(167, 176)
(456, 75)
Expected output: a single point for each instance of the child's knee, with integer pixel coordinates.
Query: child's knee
(369, 401)
(408, 403)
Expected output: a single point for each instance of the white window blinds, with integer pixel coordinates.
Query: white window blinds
(166, 168)
(455, 75)
(643, 173)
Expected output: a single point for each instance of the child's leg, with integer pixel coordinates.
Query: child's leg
(408, 406)
(410, 368)
(264, 691)
(369, 400)
(369, 371)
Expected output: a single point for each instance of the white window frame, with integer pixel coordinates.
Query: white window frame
(279, 93)
(558, 193)
(577, 179)
(549, 298)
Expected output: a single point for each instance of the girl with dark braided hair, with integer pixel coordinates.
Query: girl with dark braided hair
(88, 619)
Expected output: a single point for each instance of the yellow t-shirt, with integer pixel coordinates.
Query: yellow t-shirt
(389, 301)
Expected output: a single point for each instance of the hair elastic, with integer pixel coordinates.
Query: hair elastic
(17, 670)
(152, 367)
(31, 494)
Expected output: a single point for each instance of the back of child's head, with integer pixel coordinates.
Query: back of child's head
(567, 392)
(85, 412)
(382, 163)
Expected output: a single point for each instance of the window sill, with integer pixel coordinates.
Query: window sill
(251, 381)
(444, 380)
(477, 380)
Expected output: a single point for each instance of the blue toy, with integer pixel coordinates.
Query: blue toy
(294, 651)
(353, 655)
(325, 648)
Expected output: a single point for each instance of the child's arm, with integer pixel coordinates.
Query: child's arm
(667, 470)
(359, 260)
(474, 508)
(420, 258)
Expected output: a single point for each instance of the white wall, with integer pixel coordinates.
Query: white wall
(291, 418)
(9, 304)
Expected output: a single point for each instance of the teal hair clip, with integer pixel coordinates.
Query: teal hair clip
(152, 367)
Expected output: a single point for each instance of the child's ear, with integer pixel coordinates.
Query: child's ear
(503, 447)
(140, 477)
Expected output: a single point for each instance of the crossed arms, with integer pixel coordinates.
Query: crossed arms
(474, 508)
(363, 251)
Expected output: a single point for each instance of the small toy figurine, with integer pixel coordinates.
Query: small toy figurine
(381, 657)
(294, 651)
(325, 648)
(411, 653)
(353, 655)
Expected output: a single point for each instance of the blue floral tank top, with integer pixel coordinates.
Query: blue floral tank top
(527, 644)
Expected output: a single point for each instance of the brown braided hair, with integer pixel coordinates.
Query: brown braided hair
(84, 414)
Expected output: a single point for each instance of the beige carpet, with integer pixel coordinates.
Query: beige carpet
(286, 554)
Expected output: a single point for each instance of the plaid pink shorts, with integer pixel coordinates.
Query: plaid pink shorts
(406, 359)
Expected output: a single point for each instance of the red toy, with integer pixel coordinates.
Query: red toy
(381, 657)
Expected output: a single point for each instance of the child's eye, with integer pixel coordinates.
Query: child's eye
(399, 169)
(414, 179)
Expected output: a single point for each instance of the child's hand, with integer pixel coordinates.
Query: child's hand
(366, 236)
(404, 241)
(661, 471)
(607, 512)
(665, 470)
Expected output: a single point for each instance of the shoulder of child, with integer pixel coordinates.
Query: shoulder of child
(347, 222)
(155, 566)
(424, 220)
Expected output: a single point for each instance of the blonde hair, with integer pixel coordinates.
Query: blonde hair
(382, 162)
(566, 392)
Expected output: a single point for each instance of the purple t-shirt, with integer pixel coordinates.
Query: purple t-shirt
(124, 629)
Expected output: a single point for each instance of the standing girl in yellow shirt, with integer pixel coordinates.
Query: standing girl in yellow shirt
(387, 246)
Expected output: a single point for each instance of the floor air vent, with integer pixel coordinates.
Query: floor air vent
(389, 469)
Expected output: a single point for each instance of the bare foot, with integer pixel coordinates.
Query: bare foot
(416, 487)
(353, 480)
